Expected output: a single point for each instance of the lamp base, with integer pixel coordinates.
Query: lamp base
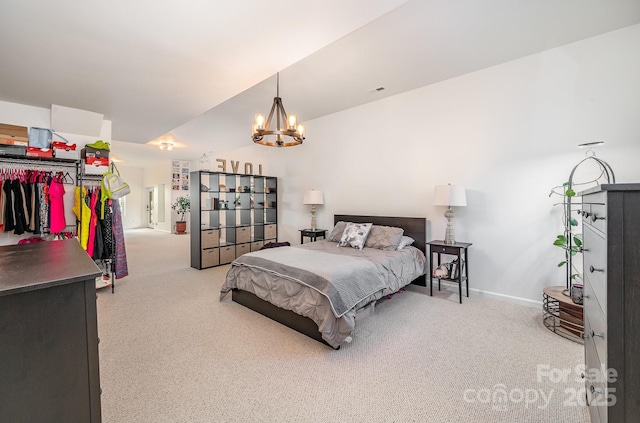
(313, 218)
(449, 238)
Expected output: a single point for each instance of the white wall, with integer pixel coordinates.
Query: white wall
(507, 133)
(133, 212)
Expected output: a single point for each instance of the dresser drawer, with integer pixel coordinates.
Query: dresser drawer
(595, 329)
(227, 254)
(243, 234)
(255, 246)
(598, 217)
(595, 210)
(210, 257)
(443, 249)
(270, 231)
(242, 249)
(594, 383)
(595, 255)
(210, 238)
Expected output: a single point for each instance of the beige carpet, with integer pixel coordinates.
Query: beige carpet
(171, 352)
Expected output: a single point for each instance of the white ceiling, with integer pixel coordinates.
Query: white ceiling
(197, 71)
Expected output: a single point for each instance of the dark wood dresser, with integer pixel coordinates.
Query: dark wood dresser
(49, 370)
(611, 231)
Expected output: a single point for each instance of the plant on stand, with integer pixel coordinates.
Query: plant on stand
(182, 205)
(569, 241)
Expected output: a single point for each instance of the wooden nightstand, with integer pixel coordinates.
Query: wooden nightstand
(313, 234)
(459, 249)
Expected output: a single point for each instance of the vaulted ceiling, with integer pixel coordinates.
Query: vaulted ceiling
(197, 71)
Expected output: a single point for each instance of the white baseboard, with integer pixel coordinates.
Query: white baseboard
(502, 297)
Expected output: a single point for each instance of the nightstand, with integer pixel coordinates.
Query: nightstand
(313, 234)
(459, 250)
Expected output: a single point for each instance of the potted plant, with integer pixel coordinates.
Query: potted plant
(182, 205)
(569, 241)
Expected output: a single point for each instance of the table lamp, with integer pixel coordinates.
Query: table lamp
(450, 196)
(314, 198)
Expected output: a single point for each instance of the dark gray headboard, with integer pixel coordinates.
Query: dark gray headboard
(415, 227)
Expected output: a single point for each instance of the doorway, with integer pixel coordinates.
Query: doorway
(150, 208)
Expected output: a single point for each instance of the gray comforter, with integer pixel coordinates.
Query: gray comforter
(324, 282)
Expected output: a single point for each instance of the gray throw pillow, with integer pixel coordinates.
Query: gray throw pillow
(384, 237)
(337, 231)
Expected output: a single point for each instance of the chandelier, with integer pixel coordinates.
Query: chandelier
(262, 132)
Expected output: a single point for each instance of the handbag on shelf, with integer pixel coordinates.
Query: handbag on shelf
(41, 137)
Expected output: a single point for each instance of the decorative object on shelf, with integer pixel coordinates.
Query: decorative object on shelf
(262, 129)
(167, 146)
(204, 162)
(314, 198)
(182, 205)
(577, 292)
(450, 196)
(569, 241)
(442, 271)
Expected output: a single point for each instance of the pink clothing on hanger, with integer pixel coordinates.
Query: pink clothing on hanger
(57, 221)
(94, 219)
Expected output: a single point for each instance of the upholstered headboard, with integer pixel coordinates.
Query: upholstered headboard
(415, 227)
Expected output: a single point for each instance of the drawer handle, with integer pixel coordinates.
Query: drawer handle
(599, 335)
(595, 390)
(593, 269)
(594, 218)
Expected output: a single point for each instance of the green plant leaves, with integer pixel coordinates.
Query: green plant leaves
(560, 241)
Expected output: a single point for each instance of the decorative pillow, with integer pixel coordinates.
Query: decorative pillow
(384, 237)
(355, 235)
(406, 240)
(337, 231)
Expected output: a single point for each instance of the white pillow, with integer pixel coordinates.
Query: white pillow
(406, 240)
(355, 235)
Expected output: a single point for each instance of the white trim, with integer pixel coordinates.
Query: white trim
(502, 297)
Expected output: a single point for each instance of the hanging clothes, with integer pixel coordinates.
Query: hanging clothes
(98, 241)
(35, 218)
(57, 221)
(18, 207)
(107, 229)
(85, 216)
(92, 223)
(44, 206)
(121, 268)
(2, 200)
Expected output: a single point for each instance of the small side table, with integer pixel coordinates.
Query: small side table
(460, 250)
(561, 315)
(313, 234)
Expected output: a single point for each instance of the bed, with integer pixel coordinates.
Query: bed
(290, 284)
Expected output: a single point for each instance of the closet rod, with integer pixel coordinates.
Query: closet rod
(32, 164)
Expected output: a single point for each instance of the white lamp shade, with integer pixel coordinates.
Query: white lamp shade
(313, 197)
(450, 195)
